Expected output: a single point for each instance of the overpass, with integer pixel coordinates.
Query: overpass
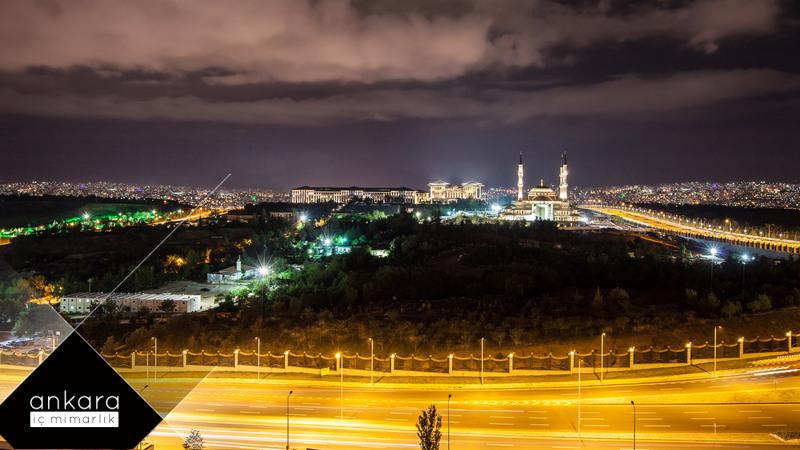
(679, 227)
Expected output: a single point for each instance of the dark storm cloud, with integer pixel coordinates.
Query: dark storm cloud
(623, 95)
(378, 92)
(317, 62)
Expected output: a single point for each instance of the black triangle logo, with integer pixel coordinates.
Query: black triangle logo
(73, 400)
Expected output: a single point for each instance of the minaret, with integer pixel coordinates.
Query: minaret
(562, 179)
(520, 184)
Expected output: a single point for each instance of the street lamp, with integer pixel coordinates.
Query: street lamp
(602, 342)
(340, 364)
(745, 258)
(371, 361)
(258, 358)
(580, 364)
(155, 358)
(633, 405)
(287, 419)
(715, 348)
(713, 253)
(482, 340)
(449, 396)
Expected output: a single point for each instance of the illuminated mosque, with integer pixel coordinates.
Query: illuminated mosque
(542, 202)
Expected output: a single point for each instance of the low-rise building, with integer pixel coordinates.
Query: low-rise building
(82, 303)
(341, 195)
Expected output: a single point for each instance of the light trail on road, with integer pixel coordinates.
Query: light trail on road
(661, 222)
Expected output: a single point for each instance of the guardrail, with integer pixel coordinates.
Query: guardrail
(452, 364)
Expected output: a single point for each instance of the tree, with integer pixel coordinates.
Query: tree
(167, 306)
(194, 441)
(762, 302)
(597, 302)
(710, 303)
(109, 346)
(730, 309)
(429, 427)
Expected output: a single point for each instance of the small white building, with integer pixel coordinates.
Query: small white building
(233, 273)
(84, 302)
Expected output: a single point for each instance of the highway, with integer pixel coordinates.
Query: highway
(667, 224)
(726, 412)
(736, 411)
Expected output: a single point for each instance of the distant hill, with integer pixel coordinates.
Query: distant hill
(24, 210)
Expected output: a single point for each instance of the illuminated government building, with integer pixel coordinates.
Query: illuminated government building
(443, 192)
(542, 202)
(313, 194)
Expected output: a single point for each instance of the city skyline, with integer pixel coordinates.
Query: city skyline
(376, 93)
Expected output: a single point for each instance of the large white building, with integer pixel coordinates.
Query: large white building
(314, 194)
(542, 202)
(444, 192)
(84, 302)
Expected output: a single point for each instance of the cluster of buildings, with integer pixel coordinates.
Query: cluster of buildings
(751, 194)
(223, 199)
(83, 303)
(341, 195)
(438, 192)
(540, 202)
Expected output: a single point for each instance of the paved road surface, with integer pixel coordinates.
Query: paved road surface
(727, 412)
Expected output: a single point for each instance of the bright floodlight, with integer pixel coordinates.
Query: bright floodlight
(745, 257)
(303, 217)
(713, 251)
(418, 214)
(263, 271)
(86, 216)
(495, 207)
(327, 241)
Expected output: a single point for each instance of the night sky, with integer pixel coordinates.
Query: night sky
(399, 93)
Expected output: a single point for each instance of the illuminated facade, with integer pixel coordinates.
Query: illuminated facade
(85, 302)
(542, 202)
(311, 194)
(443, 192)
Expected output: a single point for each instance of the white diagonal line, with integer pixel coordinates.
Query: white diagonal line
(171, 232)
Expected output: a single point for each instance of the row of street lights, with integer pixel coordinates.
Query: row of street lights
(340, 358)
